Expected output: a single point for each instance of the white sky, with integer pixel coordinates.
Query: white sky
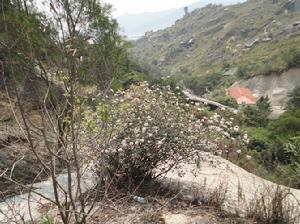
(136, 6)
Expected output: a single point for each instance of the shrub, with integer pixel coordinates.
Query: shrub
(222, 97)
(286, 126)
(274, 144)
(294, 101)
(129, 79)
(292, 57)
(257, 115)
(154, 130)
(242, 72)
(202, 84)
(258, 139)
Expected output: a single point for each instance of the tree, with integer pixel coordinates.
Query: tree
(26, 41)
(257, 115)
(78, 44)
(294, 101)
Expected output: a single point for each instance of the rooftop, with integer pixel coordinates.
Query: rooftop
(242, 95)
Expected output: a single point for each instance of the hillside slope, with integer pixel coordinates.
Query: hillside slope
(136, 24)
(258, 37)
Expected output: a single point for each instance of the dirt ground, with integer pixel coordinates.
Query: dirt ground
(17, 161)
(162, 210)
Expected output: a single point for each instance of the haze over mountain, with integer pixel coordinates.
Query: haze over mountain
(134, 25)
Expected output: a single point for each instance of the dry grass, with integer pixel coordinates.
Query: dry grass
(274, 209)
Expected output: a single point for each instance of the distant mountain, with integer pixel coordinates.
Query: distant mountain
(135, 25)
(254, 37)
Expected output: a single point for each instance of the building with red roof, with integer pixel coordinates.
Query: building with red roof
(242, 95)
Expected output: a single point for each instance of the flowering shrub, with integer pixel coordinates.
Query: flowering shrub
(153, 129)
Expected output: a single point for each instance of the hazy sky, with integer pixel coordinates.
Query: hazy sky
(135, 6)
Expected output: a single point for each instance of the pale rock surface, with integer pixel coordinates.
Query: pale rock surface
(239, 188)
(184, 219)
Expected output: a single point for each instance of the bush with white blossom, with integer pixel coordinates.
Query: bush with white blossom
(153, 129)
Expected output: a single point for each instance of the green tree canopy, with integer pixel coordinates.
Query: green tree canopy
(257, 115)
(294, 101)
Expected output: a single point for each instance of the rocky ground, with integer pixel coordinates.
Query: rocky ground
(214, 192)
(164, 213)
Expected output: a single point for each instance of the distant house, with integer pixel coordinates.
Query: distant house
(242, 95)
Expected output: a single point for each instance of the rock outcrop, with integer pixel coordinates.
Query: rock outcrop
(237, 189)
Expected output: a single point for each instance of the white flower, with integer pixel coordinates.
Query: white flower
(229, 123)
(239, 151)
(226, 134)
(248, 157)
(236, 128)
(146, 125)
(124, 143)
(210, 122)
(218, 129)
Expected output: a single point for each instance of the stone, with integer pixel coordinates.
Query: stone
(231, 72)
(251, 42)
(185, 219)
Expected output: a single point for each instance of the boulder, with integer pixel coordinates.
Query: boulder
(185, 219)
(228, 186)
(251, 42)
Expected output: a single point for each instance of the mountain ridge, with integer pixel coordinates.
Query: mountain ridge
(222, 38)
(136, 24)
